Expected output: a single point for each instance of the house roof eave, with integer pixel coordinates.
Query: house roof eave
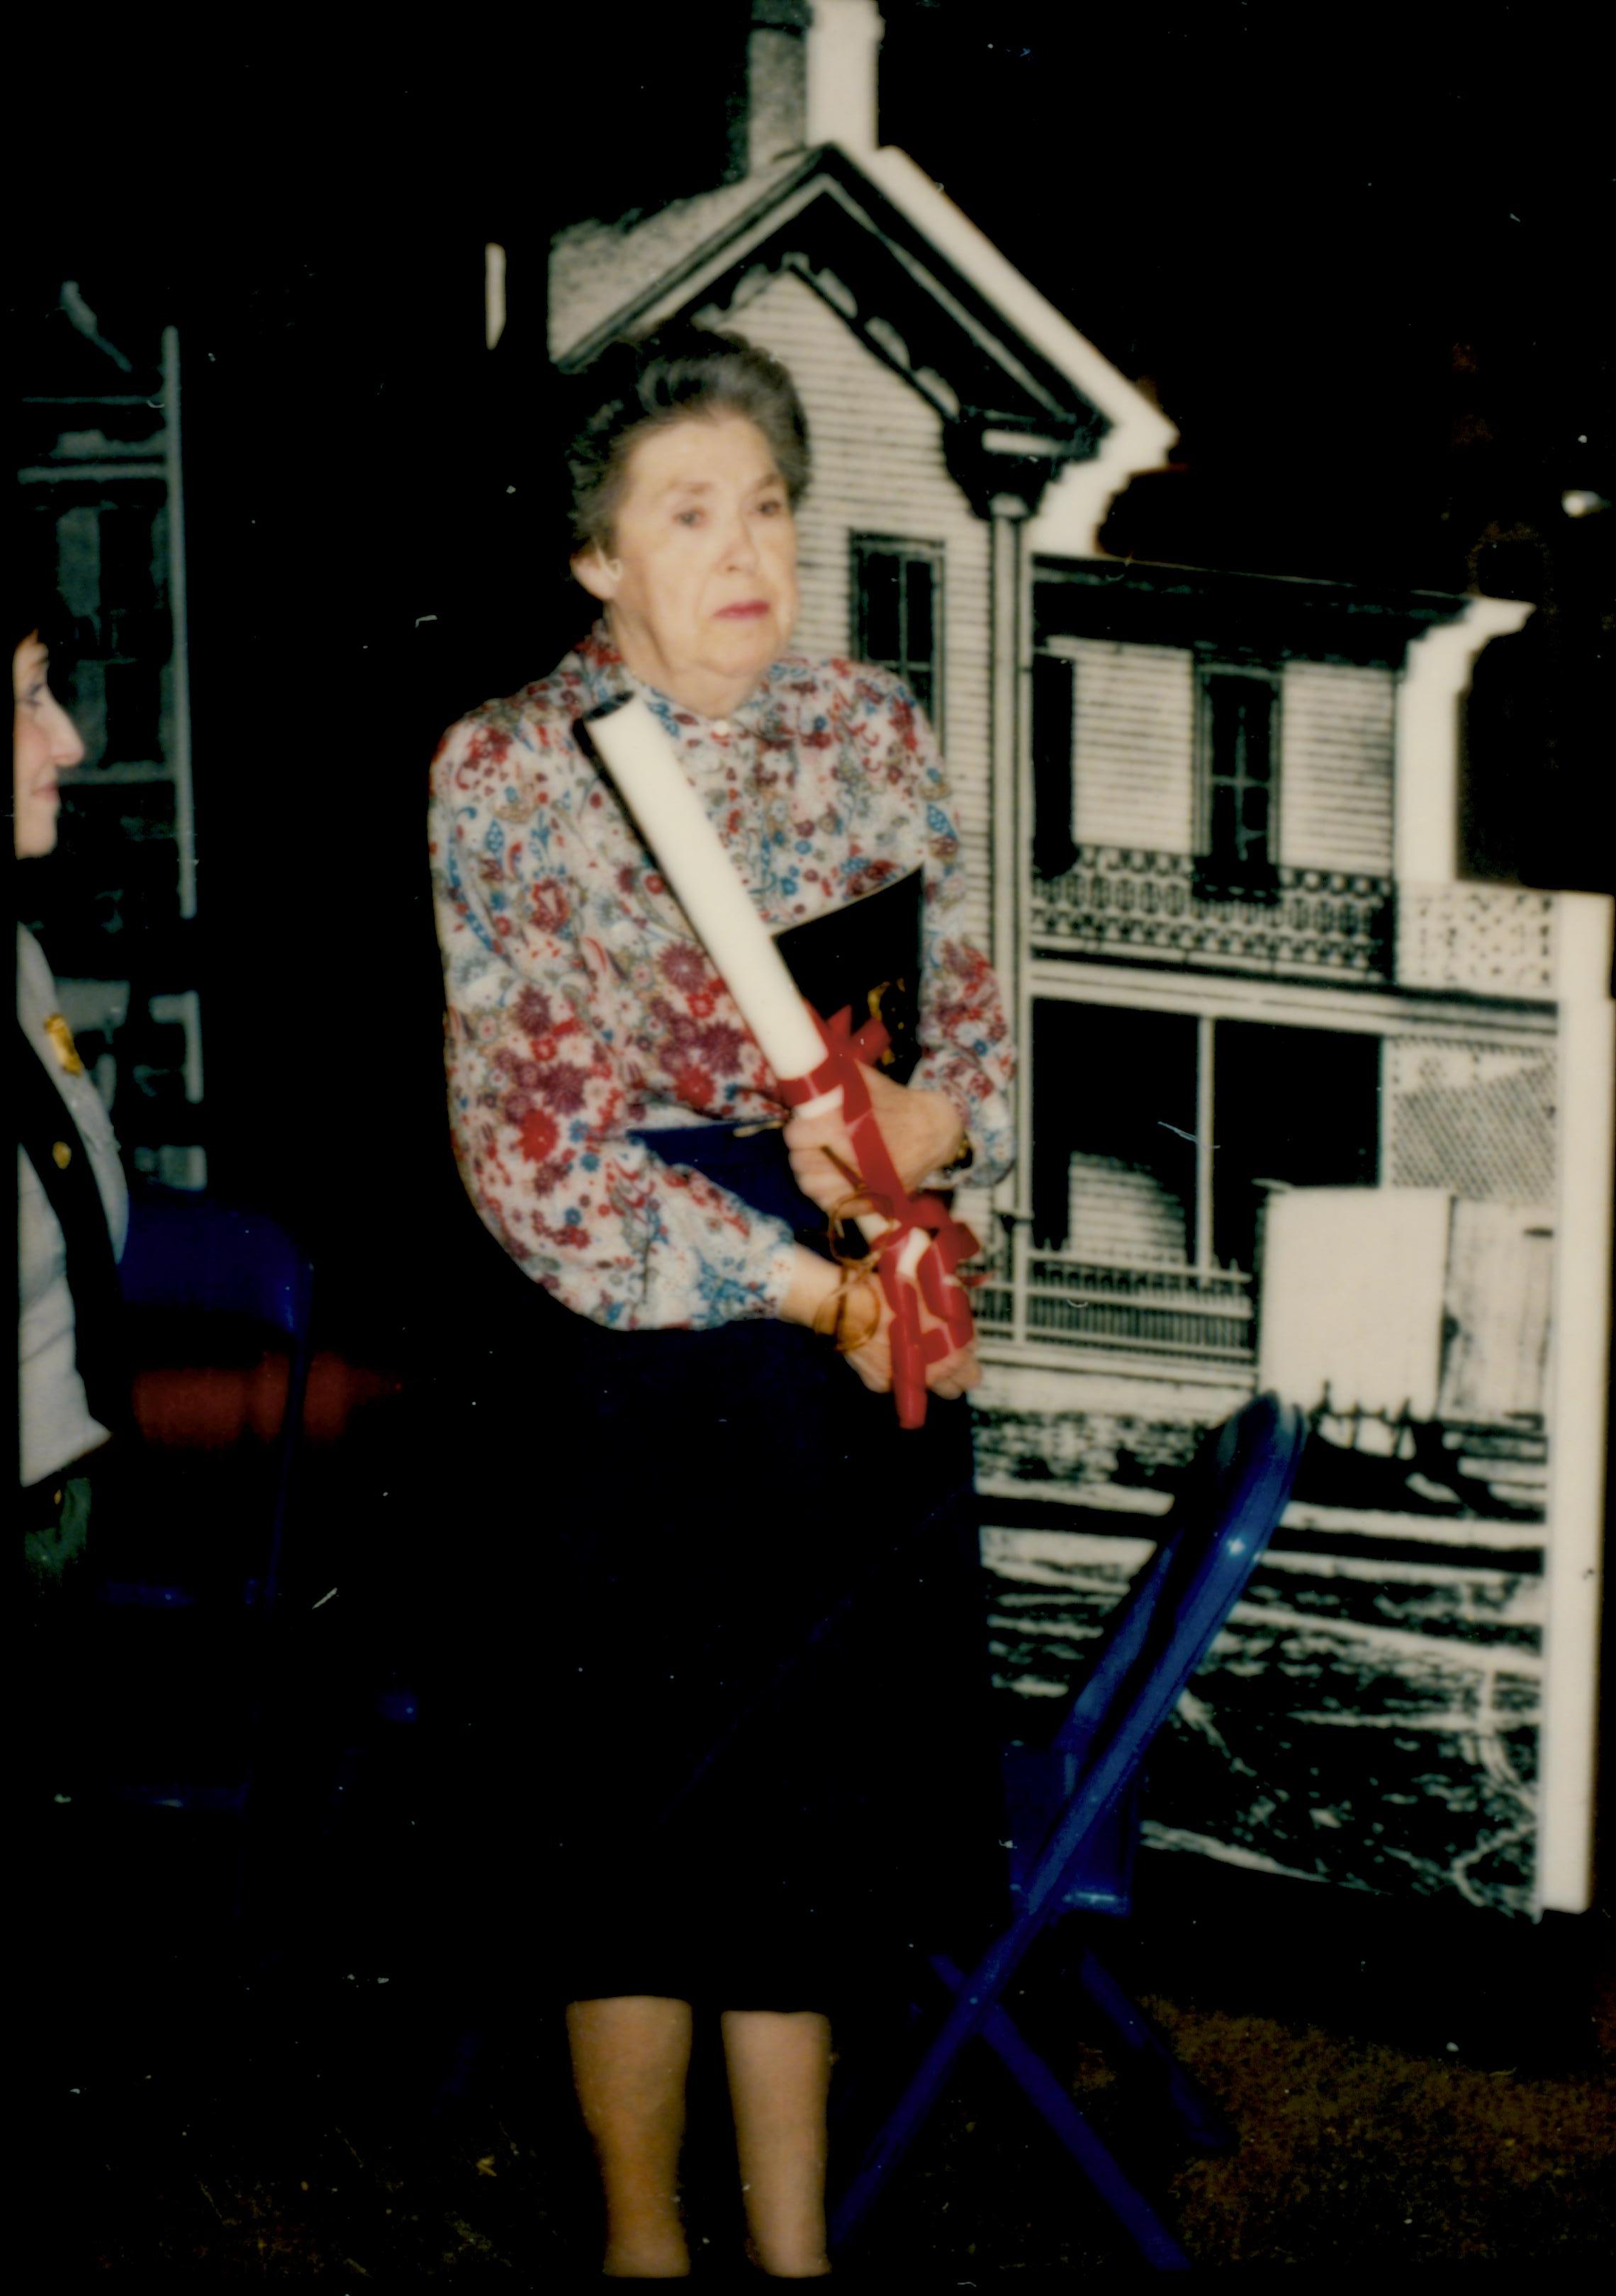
(1275, 614)
(675, 243)
(1137, 430)
(692, 243)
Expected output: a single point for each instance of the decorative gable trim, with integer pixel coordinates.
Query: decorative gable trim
(921, 287)
(612, 279)
(1137, 435)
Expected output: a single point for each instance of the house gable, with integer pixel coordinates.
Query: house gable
(1016, 416)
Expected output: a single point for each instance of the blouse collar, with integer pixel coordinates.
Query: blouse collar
(609, 677)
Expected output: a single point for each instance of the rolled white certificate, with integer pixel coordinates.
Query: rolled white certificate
(645, 768)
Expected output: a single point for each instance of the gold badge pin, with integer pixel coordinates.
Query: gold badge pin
(61, 1041)
(63, 1155)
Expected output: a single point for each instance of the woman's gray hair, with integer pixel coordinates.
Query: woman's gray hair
(677, 375)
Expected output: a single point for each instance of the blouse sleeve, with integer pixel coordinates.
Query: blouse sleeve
(964, 1034)
(540, 1100)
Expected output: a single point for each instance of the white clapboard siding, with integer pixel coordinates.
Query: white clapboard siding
(879, 468)
(1335, 769)
(1117, 1212)
(1134, 765)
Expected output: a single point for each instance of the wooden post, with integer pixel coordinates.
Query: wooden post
(1010, 848)
(184, 810)
(1204, 1100)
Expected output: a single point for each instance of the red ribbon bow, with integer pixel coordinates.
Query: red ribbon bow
(848, 1054)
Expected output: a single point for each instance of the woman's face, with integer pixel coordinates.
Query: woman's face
(44, 742)
(701, 580)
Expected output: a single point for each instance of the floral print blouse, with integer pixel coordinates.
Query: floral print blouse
(581, 1007)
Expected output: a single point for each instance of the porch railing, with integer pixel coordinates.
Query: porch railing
(1124, 901)
(1163, 908)
(1063, 1300)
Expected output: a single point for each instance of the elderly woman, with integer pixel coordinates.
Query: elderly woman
(761, 1649)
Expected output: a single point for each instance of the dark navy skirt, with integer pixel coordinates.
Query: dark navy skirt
(768, 1762)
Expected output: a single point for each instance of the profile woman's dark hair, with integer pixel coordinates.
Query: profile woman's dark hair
(33, 606)
(636, 388)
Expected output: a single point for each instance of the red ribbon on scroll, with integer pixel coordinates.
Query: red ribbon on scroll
(949, 1243)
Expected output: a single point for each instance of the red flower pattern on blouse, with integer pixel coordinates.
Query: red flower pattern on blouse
(582, 1008)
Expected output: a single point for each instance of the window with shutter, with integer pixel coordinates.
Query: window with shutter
(1238, 746)
(897, 613)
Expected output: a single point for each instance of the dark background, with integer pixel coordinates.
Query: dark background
(1361, 272)
(1364, 270)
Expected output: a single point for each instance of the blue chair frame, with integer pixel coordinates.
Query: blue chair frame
(1234, 1496)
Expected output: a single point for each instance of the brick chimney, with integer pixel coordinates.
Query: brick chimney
(810, 79)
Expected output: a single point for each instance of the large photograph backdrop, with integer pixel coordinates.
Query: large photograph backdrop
(1292, 1111)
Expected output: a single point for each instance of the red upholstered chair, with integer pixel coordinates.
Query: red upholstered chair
(187, 1549)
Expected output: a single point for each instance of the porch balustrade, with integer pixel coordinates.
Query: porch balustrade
(1126, 901)
(1070, 1300)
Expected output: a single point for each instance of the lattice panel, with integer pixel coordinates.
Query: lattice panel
(1499, 938)
(1474, 1119)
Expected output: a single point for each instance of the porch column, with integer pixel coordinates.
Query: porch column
(1578, 1401)
(1011, 845)
(1200, 1253)
(1425, 827)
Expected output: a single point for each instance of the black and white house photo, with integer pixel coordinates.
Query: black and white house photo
(1211, 456)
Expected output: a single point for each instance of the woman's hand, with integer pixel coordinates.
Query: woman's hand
(812, 1298)
(922, 1130)
(951, 1375)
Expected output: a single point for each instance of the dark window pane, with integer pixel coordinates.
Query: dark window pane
(1238, 769)
(1321, 1131)
(1143, 1119)
(895, 620)
(883, 620)
(1226, 701)
(1053, 850)
(1223, 820)
(917, 632)
(129, 565)
(1255, 719)
(133, 713)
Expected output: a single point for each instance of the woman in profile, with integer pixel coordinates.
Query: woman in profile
(72, 1214)
(767, 1763)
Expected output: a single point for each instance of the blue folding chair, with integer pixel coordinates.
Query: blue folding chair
(199, 1537)
(1074, 1855)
